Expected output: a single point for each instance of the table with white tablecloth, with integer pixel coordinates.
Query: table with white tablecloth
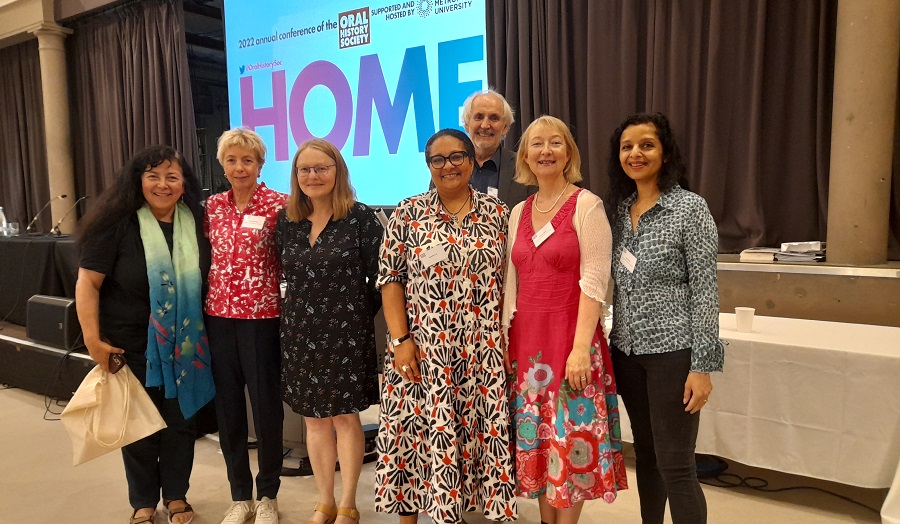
(811, 398)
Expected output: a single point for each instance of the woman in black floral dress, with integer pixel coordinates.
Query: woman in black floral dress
(329, 244)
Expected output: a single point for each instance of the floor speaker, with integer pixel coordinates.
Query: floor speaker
(53, 321)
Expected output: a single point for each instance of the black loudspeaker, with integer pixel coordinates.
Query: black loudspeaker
(53, 321)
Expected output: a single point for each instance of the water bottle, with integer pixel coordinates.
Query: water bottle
(4, 231)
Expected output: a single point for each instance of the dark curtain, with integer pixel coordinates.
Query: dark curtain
(24, 187)
(747, 85)
(130, 88)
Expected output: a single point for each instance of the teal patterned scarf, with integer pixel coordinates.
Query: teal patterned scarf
(177, 347)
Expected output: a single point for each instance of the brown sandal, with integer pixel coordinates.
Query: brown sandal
(330, 512)
(172, 512)
(146, 519)
(350, 513)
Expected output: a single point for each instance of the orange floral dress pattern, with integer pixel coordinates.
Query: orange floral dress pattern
(443, 443)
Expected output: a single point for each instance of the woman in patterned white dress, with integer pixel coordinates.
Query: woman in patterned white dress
(443, 439)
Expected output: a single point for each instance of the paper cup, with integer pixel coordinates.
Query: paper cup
(744, 318)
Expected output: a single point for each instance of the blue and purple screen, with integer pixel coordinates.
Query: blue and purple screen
(375, 79)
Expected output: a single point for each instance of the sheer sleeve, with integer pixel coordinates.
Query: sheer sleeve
(511, 276)
(595, 242)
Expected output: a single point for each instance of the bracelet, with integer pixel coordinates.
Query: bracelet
(399, 340)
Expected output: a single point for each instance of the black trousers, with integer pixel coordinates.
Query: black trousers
(665, 436)
(247, 353)
(162, 462)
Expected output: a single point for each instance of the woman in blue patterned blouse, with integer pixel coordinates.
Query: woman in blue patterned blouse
(665, 331)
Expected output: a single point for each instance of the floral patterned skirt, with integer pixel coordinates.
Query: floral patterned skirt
(568, 442)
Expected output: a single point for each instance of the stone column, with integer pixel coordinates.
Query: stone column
(54, 88)
(865, 96)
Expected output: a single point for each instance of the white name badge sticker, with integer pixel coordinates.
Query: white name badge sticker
(253, 222)
(492, 191)
(543, 234)
(628, 260)
(433, 255)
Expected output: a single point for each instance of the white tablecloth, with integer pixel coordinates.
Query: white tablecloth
(818, 399)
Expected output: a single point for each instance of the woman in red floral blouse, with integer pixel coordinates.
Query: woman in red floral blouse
(243, 309)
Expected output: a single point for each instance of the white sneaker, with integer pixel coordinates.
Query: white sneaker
(240, 511)
(267, 511)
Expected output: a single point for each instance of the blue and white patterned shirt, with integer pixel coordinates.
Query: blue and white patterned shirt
(671, 300)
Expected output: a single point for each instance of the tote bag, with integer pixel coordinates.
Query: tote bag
(109, 411)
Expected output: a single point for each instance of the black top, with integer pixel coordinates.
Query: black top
(118, 253)
(487, 174)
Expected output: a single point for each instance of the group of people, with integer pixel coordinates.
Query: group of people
(498, 380)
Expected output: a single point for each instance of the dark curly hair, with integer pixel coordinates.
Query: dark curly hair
(455, 133)
(671, 173)
(125, 196)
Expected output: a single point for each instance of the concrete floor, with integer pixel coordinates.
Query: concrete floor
(39, 485)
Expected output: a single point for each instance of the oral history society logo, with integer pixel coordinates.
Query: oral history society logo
(355, 29)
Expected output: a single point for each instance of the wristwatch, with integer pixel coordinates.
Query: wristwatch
(399, 340)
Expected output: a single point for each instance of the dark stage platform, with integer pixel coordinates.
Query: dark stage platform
(40, 368)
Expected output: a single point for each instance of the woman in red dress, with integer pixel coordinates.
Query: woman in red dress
(563, 396)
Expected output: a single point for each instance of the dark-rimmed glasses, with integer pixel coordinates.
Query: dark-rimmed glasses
(456, 158)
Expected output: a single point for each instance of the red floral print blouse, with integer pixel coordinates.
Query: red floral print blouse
(244, 280)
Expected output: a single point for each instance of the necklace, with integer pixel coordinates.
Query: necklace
(454, 213)
(539, 210)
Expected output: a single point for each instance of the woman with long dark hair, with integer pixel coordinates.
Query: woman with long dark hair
(139, 294)
(666, 312)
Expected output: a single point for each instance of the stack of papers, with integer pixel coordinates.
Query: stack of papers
(759, 254)
(813, 251)
(808, 256)
(802, 247)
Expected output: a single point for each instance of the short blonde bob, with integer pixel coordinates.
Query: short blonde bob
(572, 171)
(241, 137)
(343, 196)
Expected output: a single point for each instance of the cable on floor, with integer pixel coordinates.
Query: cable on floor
(731, 480)
(49, 400)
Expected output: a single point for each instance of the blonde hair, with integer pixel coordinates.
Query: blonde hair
(343, 196)
(241, 137)
(572, 171)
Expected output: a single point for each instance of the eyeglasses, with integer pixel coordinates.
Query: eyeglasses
(319, 170)
(456, 158)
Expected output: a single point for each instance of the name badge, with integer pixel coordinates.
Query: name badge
(543, 234)
(492, 191)
(628, 260)
(253, 222)
(433, 255)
